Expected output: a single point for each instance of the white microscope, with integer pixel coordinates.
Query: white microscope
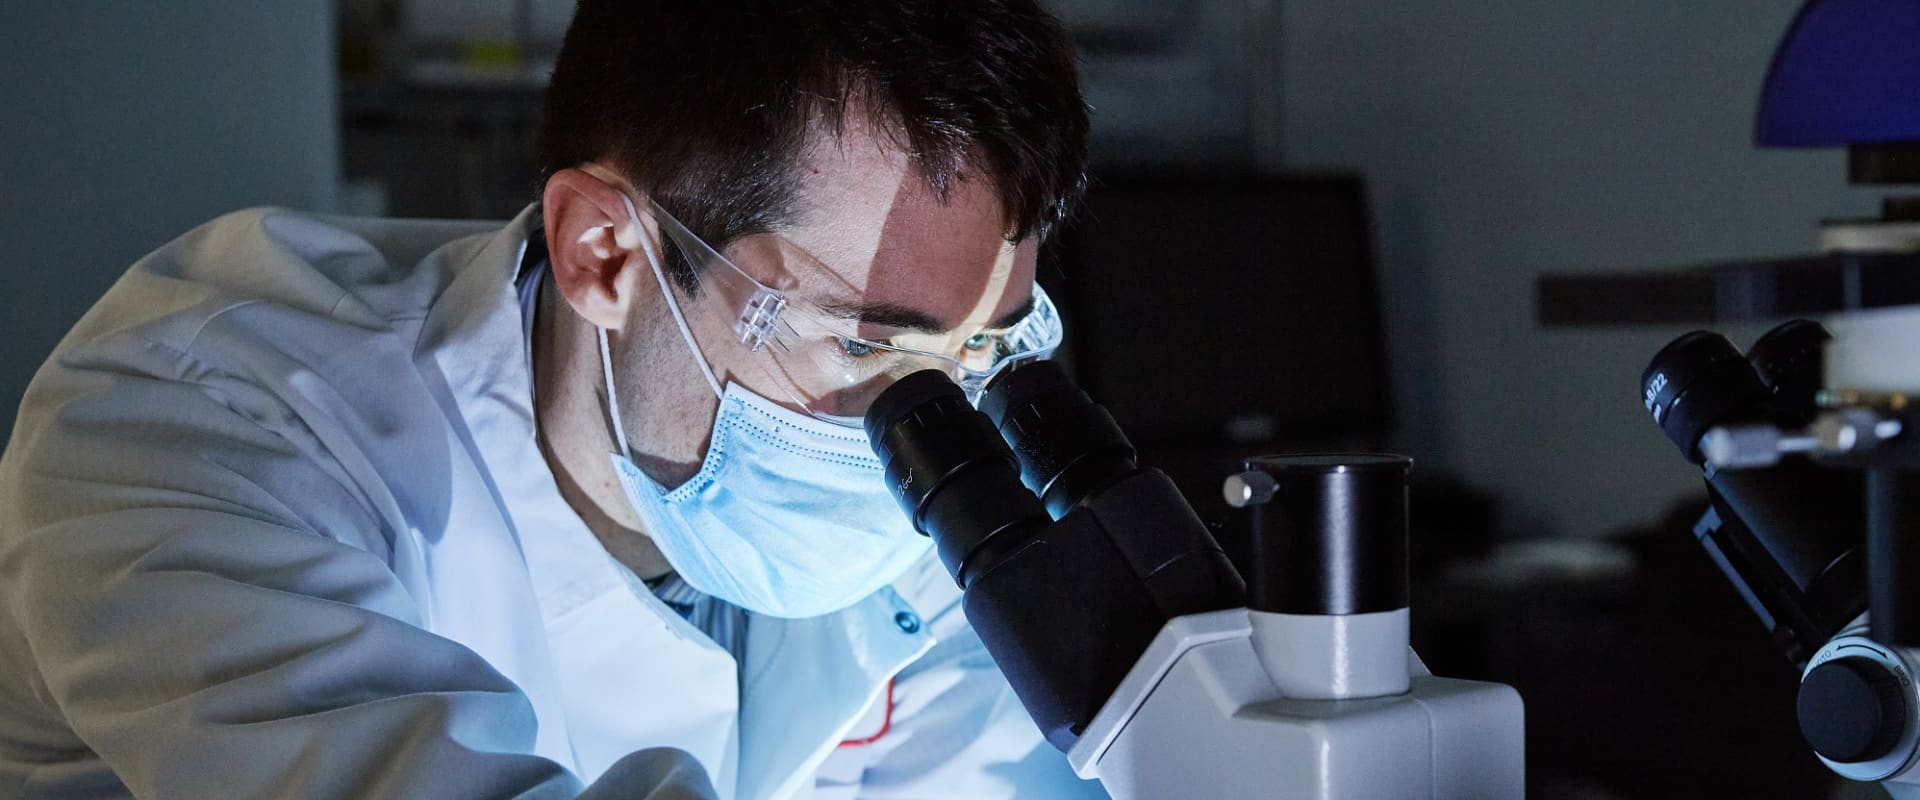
(1136, 646)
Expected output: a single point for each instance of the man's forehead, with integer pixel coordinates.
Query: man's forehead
(900, 289)
(872, 217)
(999, 302)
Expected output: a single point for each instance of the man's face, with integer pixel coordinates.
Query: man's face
(882, 253)
(896, 261)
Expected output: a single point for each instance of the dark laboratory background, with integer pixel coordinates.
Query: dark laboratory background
(1314, 225)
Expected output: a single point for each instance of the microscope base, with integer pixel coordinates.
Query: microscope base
(1199, 716)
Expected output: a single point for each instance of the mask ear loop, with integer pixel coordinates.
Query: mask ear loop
(613, 397)
(679, 319)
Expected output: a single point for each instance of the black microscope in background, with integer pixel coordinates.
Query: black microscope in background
(1808, 440)
(1814, 485)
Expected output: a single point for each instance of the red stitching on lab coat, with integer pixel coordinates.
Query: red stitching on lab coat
(885, 723)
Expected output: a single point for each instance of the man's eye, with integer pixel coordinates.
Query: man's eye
(980, 341)
(855, 347)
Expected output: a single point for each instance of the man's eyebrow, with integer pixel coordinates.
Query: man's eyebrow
(888, 315)
(1013, 317)
(894, 315)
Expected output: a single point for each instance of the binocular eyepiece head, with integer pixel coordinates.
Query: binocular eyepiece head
(1036, 448)
(1701, 380)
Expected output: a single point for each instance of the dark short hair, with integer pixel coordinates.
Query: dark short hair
(709, 105)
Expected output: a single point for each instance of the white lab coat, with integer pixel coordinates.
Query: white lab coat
(273, 523)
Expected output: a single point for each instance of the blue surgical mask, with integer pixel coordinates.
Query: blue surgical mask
(788, 516)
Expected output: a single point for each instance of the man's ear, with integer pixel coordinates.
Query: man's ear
(599, 260)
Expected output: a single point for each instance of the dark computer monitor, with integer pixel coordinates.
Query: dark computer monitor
(1213, 312)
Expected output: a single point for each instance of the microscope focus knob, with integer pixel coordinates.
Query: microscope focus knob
(1852, 710)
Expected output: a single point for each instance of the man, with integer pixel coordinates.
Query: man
(322, 507)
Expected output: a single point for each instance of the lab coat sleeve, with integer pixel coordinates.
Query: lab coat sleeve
(211, 611)
(956, 731)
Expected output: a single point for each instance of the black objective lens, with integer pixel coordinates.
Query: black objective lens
(1069, 447)
(1698, 381)
(946, 465)
(1334, 538)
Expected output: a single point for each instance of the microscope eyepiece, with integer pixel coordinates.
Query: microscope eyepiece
(1069, 446)
(947, 467)
(1696, 382)
(905, 397)
(1789, 359)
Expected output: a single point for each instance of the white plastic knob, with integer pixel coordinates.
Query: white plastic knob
(1250, 488)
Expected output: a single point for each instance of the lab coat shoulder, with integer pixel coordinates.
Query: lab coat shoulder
(358, 271)
(296, 324)
(196, 559)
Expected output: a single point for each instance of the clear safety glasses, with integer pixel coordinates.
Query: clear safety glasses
(814, 355)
